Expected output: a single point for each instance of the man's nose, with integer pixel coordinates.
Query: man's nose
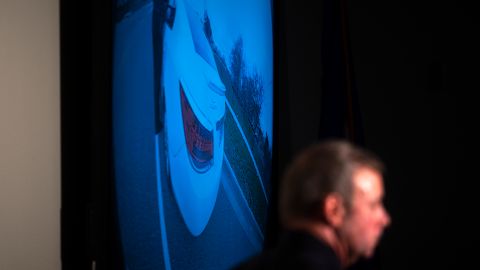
(386, 217)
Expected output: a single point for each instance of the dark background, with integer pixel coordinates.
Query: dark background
(414, 67)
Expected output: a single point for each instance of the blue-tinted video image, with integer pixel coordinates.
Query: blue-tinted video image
(192, 110)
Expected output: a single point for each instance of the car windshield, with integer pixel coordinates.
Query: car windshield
(199, 139)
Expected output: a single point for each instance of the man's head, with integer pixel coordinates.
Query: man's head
(338, 186)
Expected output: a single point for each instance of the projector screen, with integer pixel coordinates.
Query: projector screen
(192, 130)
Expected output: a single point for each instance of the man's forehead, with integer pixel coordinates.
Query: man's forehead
(368, 181)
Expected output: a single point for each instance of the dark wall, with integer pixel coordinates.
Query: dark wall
(415, 66)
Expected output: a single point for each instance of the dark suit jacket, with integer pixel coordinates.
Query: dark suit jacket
(296, 250)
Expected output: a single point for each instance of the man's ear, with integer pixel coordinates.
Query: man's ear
(334, 209)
